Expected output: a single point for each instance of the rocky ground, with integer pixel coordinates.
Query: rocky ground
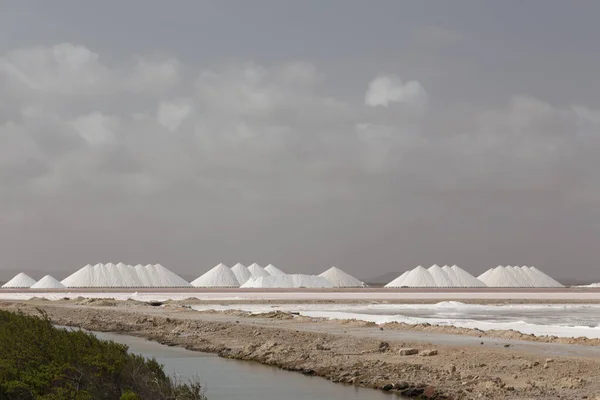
(325, 348)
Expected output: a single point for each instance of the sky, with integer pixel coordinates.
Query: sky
(374, 136)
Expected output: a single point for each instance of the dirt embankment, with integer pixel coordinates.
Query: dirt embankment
(447, 372)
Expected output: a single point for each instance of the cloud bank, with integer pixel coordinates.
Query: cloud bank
(150, 157)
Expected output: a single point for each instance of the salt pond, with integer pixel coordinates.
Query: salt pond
(565, 320)
(230, 379)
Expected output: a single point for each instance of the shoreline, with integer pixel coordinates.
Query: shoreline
(349, 352)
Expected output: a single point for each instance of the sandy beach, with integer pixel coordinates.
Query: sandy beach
(451, 363)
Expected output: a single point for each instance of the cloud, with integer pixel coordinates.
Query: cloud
(385, 90)
(246, 150)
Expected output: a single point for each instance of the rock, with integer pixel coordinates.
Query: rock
(412, 392)
(322, 347)
(428, 353)
(452, 368)
(507, 345)
(549, 360)
(387, 387)
(405, 385)
(408, 352)
(384, 346)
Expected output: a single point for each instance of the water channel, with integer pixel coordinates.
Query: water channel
(226, 379)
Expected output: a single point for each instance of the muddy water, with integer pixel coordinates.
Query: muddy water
(226, 379)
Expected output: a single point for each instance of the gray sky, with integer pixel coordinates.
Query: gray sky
(374, 136)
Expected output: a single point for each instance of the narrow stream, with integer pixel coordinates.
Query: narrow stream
(226, 379)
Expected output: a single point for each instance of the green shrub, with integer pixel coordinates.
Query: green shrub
(39, 361)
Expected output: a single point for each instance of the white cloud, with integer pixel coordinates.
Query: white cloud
(63, 68)
(171, 114)
(97, 128)
(385, 90)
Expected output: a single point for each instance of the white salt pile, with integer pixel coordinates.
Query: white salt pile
(543, 278)
(122, 275)
(418, 277)
(398, 281)
(462, 278)
(339, 278)
(436, 277)
(523, 277)
(257, 271)
(219, 276)
(273, 270)
(21, 280)
(440, 277)
(241, 273)
(294, 281)
(47, 282)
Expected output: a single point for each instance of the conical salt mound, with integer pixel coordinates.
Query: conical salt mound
(219, 276)
(339, 278)
(48, 282)
(21, 280)
(419, 277)
(501, 277)
(80, 278)
(441, 277)
(462, 278)
(273, 270)
(398, 281)
(257, 271)
(164, 277)
(241, 273)
(543, 279)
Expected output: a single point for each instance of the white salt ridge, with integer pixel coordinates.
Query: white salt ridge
(398, 281)
(462, 278)
(257, 271)
(517, 277)
(21, 280)
(47, 282)
(440, 277)
(273, 270)
(418, 277)
(544, 278)
(122, 275)
(294, 281)
(241, 272)
(339, 278)
(218, 276)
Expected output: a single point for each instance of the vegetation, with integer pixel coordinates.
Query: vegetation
(39, 361)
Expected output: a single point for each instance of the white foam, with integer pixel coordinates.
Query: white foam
(241, 273)
(21, 280)
(339, 278)
(257, 271)
(47, 282)
(273, 270)
(288, 281)
(218, 276)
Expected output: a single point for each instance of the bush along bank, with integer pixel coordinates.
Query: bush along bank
(39, 361)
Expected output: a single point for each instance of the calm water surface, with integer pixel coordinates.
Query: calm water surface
(226, 379)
